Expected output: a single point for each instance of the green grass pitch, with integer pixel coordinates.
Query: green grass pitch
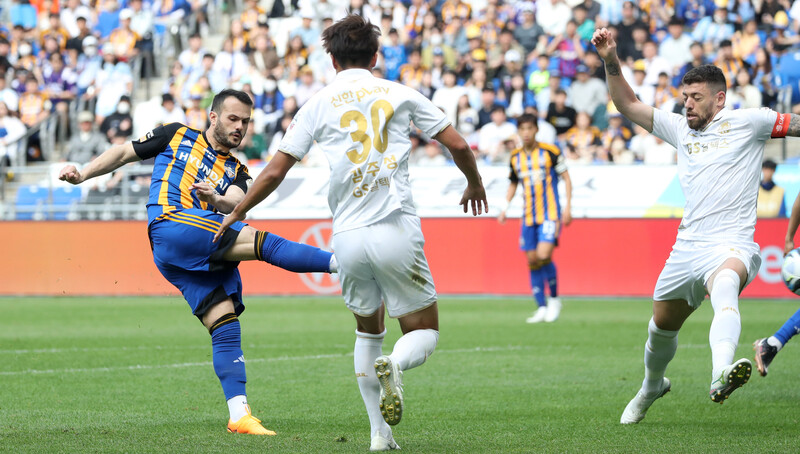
(135, 375)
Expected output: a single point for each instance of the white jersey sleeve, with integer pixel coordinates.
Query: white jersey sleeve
(427, 117)
(763, 121)
(668, 127)
(300, 134)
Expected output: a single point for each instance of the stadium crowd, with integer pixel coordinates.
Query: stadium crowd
(483, 62)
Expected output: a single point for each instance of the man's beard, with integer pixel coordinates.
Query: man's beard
(222, 138)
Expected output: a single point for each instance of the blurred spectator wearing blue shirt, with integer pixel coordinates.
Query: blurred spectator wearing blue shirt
(394, 56)
(24, 14)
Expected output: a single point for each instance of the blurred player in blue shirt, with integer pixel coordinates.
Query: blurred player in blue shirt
(539, 166)
(195, 178)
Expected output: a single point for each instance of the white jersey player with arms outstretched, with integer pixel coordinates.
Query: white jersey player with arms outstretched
(719, 168)
(363, 125)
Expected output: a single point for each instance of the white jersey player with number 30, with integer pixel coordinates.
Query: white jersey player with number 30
(719, 162)
(363, 125)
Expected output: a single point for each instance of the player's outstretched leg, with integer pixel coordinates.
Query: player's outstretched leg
(410, 351)
(658, 352)
(766, 349)
(723, 337)
(291, 256)
(367, 349)
(226, 336)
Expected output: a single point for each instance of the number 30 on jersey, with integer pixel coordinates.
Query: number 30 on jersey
(369, 135)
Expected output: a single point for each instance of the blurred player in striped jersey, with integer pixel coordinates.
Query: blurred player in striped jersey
(539, 166)
(194, 179)
(362, 124)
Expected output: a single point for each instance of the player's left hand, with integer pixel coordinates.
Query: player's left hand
(70, 174)
(205, 192)
(475, 197)
(566, 219)
(788, 246)
(227, 221)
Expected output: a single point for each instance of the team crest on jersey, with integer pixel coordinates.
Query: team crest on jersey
(725, 127)
(229, 172)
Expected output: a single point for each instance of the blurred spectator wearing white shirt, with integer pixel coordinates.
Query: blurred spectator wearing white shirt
(306, 86)
(448, 96)
(8, 96)
(654, 64)
(191, 58)
(70, 14)
(11, 130)
(230, 63)
(170, 112)
(676, 47)
(494, 133)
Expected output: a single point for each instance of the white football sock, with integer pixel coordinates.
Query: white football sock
(238, 408)
(367, 349)
(773, 341)
(413, 348)
(658, 352)
(727, 323)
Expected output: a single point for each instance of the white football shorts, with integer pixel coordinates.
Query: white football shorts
(384, 263)
(691, 263)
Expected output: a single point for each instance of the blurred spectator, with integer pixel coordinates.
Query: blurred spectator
(764, 78)
(114, 80)
(253, 146)
(55, 31)
(238, 36)
(517, 100)
(650, 149)
(585, 25)
(568, 48)
(654, 63)
(432, 155)
(307, 31)
(746, 41)
(307, 86)
(587, 93)
(643, 91)
(107, 19)
(170, 111)
(634, 49)
(466, 119)
(665, 94)
(191, 58)
(691, 11)
(552, 16)
(559, 114)
(394, 55)
(546, 133)
(583, 138)
(610, 13)
(487, 105)
(216, 79)
(729, 64)
(11, 131)
(615, 130)
(771, 200)
(33, 104)
(455, 8)
(449, 95)
(529, 34)
(8, 96)
(123, 38)
(540, 78)
(630, 21)
(743, 95)
(230, 63)
(714, 29)
(545, 95)
(411, 73)
(83, 31)
(120, 122)
(782, 38)
(493, 134)
(698, 58)
(676, 47)
(59, 84)
(264, 58)
(618, 154)
(426, 85)
(87, 144)
(251, 15)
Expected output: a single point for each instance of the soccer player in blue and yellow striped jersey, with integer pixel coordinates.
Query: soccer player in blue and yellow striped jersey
(195, 178)
(538, 167)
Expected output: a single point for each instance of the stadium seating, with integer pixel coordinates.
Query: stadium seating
(30, 202)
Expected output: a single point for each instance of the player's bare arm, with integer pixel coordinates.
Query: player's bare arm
(224, 203)
(621, 93)
(794, 126)
(474, 195)
(110, 160)
(268, 180)
(512, 189)
(566, 217)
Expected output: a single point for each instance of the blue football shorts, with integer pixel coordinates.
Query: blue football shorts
(186, 256)
(532, 235)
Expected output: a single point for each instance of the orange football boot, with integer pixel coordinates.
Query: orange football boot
(249, 424)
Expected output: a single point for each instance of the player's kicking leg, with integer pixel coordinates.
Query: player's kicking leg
(723, 337)
(767, 348)
(662, 342)
(252, 244)
(420, 336)
(226, 339)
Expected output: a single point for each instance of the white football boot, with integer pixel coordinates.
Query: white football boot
(537, 316)
(391, 379)
(638, 406)
(381, 443)
(731, 378)
(553, 309)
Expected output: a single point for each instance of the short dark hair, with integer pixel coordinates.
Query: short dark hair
(498, 108)
(709, 75)
(216, 104)
(352, 41)
(769, 164)
(528, 118)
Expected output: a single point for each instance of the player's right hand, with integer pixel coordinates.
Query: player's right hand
(475, 197)
(604, 43)
(70, 174)
(788, 246)
(501, 218)
(227, 221)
